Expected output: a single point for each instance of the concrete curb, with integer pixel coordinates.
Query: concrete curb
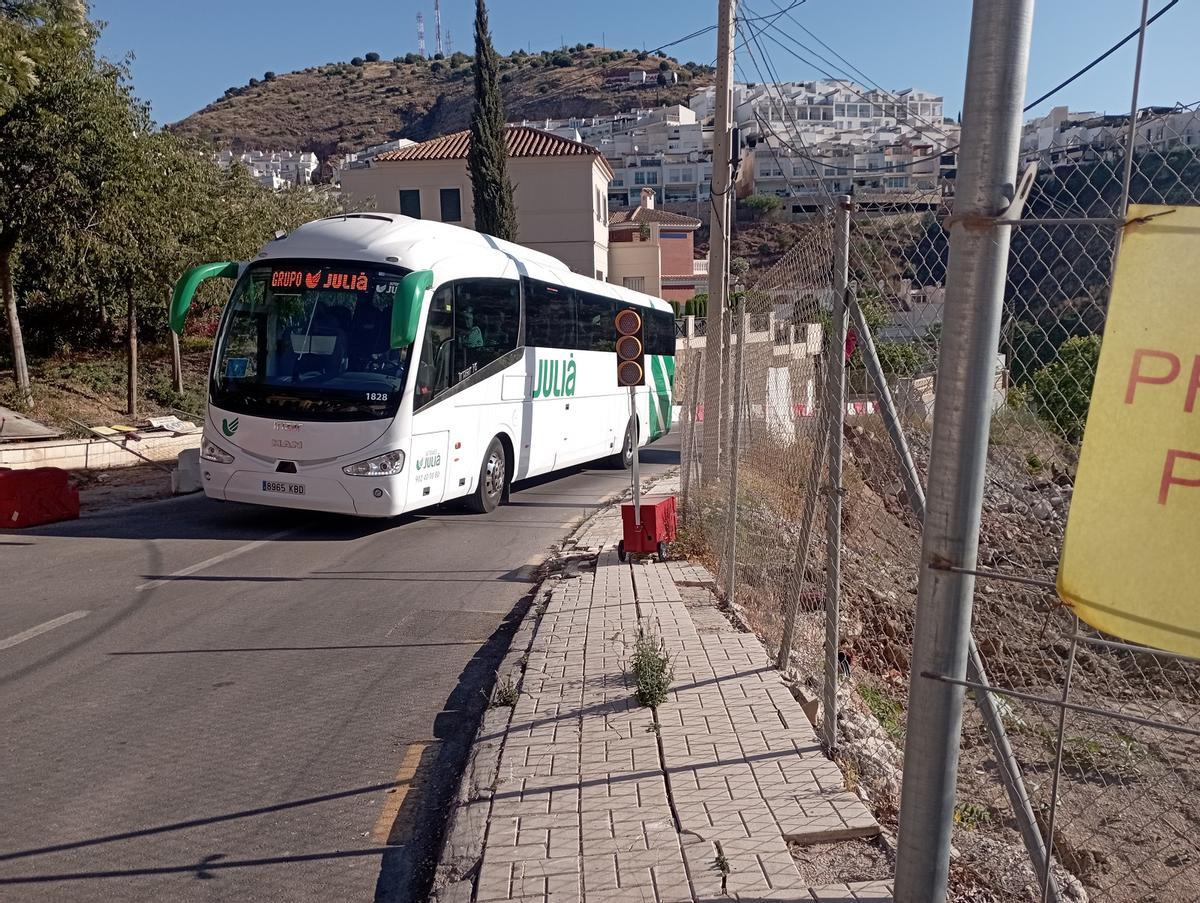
(462, 848)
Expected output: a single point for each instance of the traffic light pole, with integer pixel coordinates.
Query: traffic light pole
(633, 468)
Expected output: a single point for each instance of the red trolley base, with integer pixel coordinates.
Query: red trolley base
(658, 527)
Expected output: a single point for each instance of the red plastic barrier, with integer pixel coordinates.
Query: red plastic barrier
(42, 495)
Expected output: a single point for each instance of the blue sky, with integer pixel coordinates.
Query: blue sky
(187, 53)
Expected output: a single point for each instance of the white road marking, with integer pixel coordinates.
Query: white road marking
(42, 628)
(216, 559)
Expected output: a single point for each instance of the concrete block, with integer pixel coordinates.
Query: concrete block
(185, 477)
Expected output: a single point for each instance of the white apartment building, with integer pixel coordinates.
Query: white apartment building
(362, 158)
(879, 167)
(273, 169)
(1066, 138)
(799, 140)
(666, 148)
(810, 139)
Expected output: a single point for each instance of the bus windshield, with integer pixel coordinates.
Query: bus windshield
(311, 340)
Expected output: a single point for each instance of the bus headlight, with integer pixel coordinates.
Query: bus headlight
(386, 465)
(210, 451)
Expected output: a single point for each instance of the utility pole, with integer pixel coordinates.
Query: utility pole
(421, 35)
(996, 68)
(716, 340)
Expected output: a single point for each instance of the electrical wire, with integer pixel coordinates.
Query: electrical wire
(1101, 58)
(833, 75)
(897, 167)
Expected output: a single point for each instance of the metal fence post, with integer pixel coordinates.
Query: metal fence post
(836, 389)
(735, 427)
(995, 87)
(1010, 769)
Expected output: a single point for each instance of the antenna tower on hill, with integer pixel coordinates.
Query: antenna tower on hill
(437, 25)
(420, 35)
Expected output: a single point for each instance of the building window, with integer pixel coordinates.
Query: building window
(451, 200)
(410, 202)
(637, 283)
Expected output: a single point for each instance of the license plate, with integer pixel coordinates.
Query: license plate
(286, 488)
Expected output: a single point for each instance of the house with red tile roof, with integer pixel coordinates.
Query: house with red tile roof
(653, 251)
(560, 188)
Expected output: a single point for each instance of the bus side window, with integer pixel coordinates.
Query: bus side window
(435, 367)
(549, 315)
(659, 332)
(487, 321)
(597, 331)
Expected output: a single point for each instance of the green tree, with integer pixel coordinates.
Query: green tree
(762, 204)
(48, 88)
(31, 31)
(1062, 390)
(495, 212)
(99, 213)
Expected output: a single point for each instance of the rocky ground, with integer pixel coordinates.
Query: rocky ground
(1126, 819)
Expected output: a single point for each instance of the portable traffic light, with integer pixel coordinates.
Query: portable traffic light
(631, 370)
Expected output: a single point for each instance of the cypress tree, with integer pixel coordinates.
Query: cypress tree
(495, 213)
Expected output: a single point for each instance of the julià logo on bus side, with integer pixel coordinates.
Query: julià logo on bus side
(428, 460)
(555, 378)
(229, 427)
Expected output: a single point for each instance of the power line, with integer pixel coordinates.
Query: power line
(804, 154)
(953, 148)
(1101, 58)
(870, 82)
(849, 84)
(799, 136)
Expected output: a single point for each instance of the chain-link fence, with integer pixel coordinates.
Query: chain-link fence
(1102, 735)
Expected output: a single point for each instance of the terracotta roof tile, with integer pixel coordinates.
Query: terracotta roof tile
(635, 216)
(521, 141)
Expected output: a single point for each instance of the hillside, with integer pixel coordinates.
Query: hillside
(347, 106)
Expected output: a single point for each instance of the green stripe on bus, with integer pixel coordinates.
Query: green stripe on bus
(655, 432)
(662, 398)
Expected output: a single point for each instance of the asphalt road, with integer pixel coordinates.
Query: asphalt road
(201, 701)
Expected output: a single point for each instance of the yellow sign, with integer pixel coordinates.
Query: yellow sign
(1131, 559)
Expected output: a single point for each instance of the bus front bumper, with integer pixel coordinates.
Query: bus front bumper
(361, 496)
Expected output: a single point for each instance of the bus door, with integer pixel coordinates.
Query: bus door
(431, 435)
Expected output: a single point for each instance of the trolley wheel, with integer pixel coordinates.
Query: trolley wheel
(662, 551)
(621, 556)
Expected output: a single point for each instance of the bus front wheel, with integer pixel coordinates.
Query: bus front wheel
(493, 479)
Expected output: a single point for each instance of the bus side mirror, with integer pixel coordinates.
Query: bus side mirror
(185, 289)
(406, 308)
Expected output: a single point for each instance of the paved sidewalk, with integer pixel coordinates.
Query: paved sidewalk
(597, 799)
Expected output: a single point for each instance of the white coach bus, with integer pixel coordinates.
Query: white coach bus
(373, 364)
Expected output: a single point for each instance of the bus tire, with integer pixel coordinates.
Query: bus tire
(623, 460)
(493, 479)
